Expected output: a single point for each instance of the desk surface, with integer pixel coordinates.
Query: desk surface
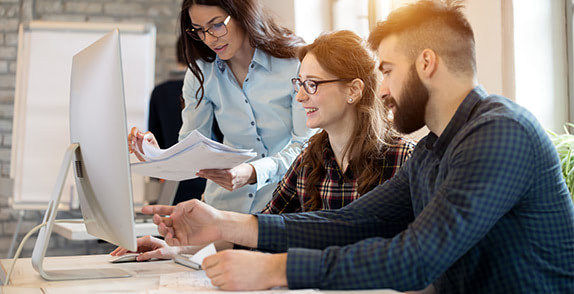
(147, 277)
(77, 232)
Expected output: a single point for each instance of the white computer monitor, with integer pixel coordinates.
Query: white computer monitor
(99, 156)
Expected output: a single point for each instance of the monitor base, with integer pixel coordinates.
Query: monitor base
(84, 274)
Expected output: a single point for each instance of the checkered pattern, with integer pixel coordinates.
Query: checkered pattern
(335, 189)
(481, 209)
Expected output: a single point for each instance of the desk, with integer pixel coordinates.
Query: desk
(145, 279)
(78, 231)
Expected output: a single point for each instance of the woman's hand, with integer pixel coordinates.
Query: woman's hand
(150, 247)
(135, 141)
(232, 178)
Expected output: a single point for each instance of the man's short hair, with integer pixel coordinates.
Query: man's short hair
(431, 24)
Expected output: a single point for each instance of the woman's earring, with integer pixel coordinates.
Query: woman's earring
(350, 100)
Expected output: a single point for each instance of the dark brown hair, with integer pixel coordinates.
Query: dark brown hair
(437, 25)
(179, 50)
(263, 32)
(346, 55)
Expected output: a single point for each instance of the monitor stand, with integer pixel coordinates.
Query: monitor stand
(44, 236)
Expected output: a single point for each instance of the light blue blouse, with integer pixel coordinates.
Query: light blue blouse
(263, 115)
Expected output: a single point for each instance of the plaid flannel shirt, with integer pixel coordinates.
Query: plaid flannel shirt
(335, 188)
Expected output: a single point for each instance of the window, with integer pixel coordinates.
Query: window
(541, 59)
(312, 17)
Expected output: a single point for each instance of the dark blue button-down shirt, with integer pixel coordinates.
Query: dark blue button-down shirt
(481, 209)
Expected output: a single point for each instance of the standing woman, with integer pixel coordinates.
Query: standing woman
(240, 63)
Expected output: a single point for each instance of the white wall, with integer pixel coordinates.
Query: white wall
(312, 17)
(307, 18)
(485, 19)
(352, 15)
(283, 11)
(541, 60)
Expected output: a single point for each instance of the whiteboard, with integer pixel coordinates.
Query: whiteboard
(40, 132)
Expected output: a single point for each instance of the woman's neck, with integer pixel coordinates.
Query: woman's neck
(339, 140)
(239, 63)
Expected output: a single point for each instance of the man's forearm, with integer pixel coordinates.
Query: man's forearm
(241, 229)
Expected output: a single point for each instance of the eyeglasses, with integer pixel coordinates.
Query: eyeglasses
(311, 86)
(217, 30)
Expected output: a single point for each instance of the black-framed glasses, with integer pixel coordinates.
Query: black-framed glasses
(311, 86)
(217, 30)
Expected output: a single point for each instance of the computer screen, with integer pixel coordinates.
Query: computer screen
(98, 125)
(100, 161)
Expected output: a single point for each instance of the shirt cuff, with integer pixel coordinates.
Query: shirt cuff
(271, 235)
(303, 268)
(265, 168)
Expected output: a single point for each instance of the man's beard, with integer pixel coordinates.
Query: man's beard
(409, 116)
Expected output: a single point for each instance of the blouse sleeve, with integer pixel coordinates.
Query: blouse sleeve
(200, 118)
(272, 168)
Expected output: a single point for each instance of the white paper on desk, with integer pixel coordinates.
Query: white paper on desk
(198, 282)
(203, 253)
(189, 280)
(183, 160)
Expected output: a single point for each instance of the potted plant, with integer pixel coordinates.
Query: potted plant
(564, 144)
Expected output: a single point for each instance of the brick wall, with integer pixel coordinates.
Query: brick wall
(163, 13)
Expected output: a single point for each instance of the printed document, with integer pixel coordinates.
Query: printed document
(198, 283)
(184, 159)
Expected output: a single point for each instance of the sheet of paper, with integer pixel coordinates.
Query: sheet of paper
(191, 281)
(183, 160)
(153, 153)
(149, 151)
(203, 253)
(198, 282)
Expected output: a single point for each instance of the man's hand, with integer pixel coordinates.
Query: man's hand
(189, 223)
(231, 178)
(195, 223)
(241, 270)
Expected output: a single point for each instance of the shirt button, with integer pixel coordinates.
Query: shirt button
(262, 155)
(246, 80)
(252, 123)
(259, 139)
(252, 65)
(250, 195)
(246, 101)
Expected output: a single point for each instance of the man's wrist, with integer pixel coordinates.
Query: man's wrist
(278, 270)
(239, 228)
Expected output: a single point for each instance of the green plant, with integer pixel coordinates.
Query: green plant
(564, 144)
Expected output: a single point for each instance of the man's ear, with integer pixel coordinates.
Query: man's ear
(427, 63)
(356, 91)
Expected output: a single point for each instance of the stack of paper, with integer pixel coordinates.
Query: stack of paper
(184, 159)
